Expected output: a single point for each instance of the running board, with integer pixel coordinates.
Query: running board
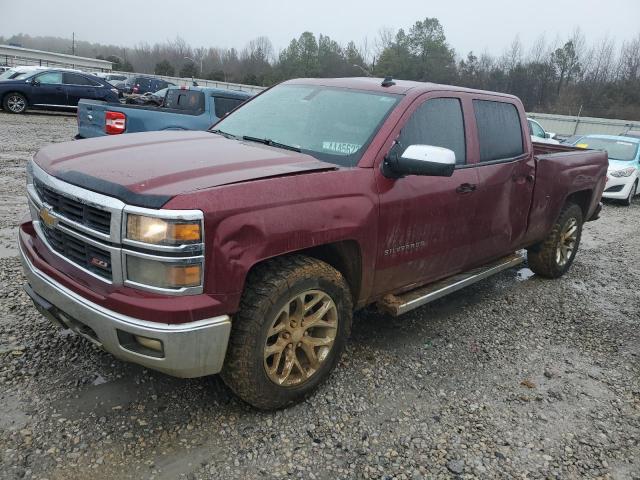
(399, 304)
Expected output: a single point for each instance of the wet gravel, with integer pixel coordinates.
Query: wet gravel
(514, 377)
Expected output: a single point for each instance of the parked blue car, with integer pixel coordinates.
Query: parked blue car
(53, 89)
(193, 108)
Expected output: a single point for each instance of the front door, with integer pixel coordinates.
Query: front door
(427, 224)
(48, 89)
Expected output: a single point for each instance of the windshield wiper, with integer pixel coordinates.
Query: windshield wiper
(271, 143)
(224, 134)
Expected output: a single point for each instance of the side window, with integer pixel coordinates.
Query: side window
(224, 105)
(50, 78)
(75, 79)
(438, 122)
(499, 131)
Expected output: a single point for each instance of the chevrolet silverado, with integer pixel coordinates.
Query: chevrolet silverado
(245, 249)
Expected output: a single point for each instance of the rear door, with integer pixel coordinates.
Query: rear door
(78, 86)
(427, 224)
(506, 171)
(48, 90)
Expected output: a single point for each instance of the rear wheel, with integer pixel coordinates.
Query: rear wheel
(293, 323)
(552, 257)
(632, 193)
(14, 103)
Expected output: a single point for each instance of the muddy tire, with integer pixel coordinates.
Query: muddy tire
(294, 321)
(14, 102)
(632, 193)
(552, 257)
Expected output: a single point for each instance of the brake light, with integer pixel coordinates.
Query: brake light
(114, 122)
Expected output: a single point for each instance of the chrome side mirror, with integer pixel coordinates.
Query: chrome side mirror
(426, 160)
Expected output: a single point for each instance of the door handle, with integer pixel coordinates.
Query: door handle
(466, 188)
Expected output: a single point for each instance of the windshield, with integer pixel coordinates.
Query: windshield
(616, 149)
(6, 75)
(331, 124)
(22, 76)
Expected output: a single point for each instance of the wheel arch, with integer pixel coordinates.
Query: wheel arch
(9, 92)
(582, 198)
(345, 256)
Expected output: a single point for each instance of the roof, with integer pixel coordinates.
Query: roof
(401, 87)
(212, 90)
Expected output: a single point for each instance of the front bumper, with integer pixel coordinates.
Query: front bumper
(623, 185)
(189, 350)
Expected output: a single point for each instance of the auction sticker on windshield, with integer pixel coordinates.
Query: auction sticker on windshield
(341, 147)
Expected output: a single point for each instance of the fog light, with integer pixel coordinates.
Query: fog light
(149, 343)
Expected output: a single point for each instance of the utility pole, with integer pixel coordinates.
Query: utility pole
(73, 43)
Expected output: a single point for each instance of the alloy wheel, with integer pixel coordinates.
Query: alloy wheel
(300, 338)
(16, 103)
(567, 243)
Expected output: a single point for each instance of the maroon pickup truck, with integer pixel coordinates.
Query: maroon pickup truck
(245, 249)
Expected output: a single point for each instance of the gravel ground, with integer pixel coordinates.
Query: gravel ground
(514, 377)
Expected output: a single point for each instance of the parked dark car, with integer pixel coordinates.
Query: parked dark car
(140, 84)
(53, 89)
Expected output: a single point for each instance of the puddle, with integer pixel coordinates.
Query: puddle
(99, 380)
(524, 274)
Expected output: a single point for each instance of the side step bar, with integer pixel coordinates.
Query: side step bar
(399, 304)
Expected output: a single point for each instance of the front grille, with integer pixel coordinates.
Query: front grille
(78, 212)
(87, 256)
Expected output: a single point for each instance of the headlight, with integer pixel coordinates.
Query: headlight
(625, 172)
(160, 231)
(163, 274)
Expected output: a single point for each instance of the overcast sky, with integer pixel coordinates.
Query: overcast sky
(476, 25)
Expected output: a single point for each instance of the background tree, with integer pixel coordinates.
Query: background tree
(164, 68)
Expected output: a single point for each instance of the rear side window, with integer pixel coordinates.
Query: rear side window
(191, 100)
(499, 131)
(224, 105)
(437, 122)
(143, 82)
(75, 79)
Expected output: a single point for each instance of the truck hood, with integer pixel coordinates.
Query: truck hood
(148, 169)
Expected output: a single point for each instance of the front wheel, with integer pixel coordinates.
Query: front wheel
(14, 103)
(554, 255)
(632, 193)
(293, 323)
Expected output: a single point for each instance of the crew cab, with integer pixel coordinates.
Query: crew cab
(245, 249)
(192, 108)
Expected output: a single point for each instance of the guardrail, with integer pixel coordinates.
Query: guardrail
(565, 125)
(202, 82)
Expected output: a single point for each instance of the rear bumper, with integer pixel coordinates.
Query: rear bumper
(188, 350)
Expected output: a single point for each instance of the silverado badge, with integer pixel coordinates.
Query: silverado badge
(47, 218)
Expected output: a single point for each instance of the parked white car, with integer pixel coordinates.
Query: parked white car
(623, 175)
(539, 135)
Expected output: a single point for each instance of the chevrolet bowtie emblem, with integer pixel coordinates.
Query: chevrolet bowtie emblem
(47, 218)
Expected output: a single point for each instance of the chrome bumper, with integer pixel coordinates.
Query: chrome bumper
(189, 350)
